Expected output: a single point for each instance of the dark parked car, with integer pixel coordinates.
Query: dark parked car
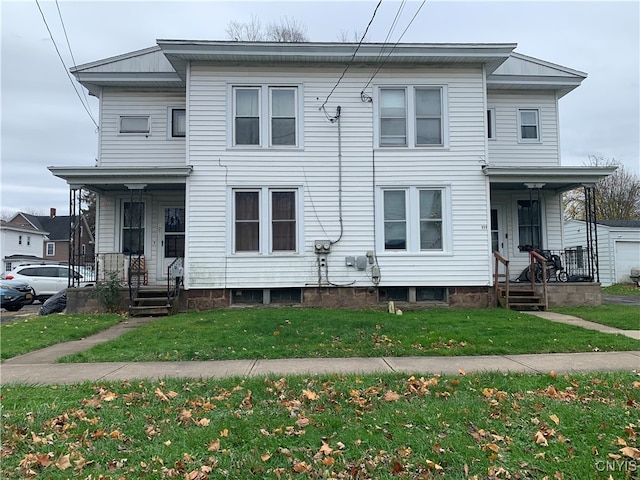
(15, 295)
(55, 303)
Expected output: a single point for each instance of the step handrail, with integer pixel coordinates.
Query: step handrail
(499, 259)
(535, 257)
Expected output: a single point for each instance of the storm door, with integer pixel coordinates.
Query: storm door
(172, 238)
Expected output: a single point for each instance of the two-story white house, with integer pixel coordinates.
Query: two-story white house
(328, 174)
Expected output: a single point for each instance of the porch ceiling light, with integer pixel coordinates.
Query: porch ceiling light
(534, 185)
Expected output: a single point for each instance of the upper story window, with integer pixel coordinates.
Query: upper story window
(51, 249)
(19, 239)
(491, 124)
(265, 116)
(134, 124)
(178, 122)
(414, 219)
(412, 116)
(265, 220)
(528, 125)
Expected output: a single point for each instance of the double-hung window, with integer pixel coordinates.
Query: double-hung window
(428, 116)
(529, 223)
(413, 219)
(282, 112)
(265, 116)
(265, 220)
(133, 230)
(178, 122)
(412, 116)
(393, 117)
(528, 125)
(246, 116)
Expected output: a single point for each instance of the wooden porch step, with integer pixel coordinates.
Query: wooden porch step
(521, 299)
(150, 302)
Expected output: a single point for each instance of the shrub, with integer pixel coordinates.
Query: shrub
(108, 292)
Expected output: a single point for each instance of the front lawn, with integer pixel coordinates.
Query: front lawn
(624, 317)
(300, 333)
(627, 289)
(479, 426)
(33, 333)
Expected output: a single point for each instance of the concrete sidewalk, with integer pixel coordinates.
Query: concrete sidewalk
(38, 367)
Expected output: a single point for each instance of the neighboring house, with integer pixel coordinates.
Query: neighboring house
(618, 247)
(328, 174)
(53, 244)
(20, 244)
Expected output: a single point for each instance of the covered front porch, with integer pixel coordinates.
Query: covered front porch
(527, 236)
(141, 227)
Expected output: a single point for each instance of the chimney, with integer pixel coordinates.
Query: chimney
(52, 213)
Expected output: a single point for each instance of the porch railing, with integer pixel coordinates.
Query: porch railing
(85, 267)
(175, 278)
(497, 276)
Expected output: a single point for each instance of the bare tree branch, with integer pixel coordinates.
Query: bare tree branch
(617, 196)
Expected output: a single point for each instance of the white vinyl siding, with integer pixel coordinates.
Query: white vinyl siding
(507, 149)
(312, 169)
(157, 148)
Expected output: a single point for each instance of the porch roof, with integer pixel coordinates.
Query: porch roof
(122, 179)
(555, 178)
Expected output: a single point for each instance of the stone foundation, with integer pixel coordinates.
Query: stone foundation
(85, 300)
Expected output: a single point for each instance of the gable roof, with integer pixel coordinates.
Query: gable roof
(620, 223)
(165, 65)
(58, 226)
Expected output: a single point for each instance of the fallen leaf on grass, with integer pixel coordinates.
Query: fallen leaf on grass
(391, 396)
(630, 452)
(555, 418)
(540, 439)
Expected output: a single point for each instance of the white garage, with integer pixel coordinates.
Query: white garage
(618, 247)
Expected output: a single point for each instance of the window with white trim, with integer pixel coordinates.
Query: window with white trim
(265, 220)
(491, 124)
(134, 124)
(19, 239)
(413, 219)
(412, 116)
(51, 249)
(265, 116)
(178, 122)
(529, 223)
(133, 231)
(528, 125)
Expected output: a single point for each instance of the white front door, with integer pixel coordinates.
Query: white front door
(172, 237)
(498, 235)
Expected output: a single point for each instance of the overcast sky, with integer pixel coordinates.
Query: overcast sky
(44, 122)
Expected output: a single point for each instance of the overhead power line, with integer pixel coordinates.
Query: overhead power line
(394, 46)
(86, 108)
(352, 57)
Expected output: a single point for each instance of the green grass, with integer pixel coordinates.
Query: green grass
(370, 426)
(302, 333)
(628, 289)
(624, 317)
(37, 332)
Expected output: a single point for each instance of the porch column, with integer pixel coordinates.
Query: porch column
(591, 230)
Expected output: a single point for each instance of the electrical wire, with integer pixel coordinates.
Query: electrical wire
(65, 66)
(352, 57)
(394, 46)
(64, 29)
